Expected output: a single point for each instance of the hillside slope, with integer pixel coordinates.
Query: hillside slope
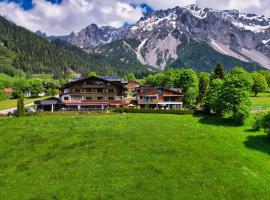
(23, 50)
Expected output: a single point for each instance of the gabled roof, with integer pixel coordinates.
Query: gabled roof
(134, 82)
(93, 78)
(151, 91)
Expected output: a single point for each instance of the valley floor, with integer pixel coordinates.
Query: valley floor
(131, 156)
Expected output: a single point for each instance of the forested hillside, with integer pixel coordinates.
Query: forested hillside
(23, 50)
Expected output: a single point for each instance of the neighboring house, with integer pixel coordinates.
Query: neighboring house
(92, 93)
(27, 94)
(115, 79)
(132, 85)
(9, 92)
(158, 97)
(50, 104)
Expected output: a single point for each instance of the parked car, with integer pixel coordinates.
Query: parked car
(26, 110)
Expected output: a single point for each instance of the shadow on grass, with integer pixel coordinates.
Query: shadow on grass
(259, 143)
(216, 121)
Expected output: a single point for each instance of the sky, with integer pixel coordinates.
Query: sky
(61, 17)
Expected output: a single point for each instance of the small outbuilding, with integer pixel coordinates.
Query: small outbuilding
(51, 104)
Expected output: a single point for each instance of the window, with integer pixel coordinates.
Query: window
(99, 90)
(100, 98)
(77, 98)
(88, 98)
(111, 98)
(66, 98)
(77, 90)
(111, 90)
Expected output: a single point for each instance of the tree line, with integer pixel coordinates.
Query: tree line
(216, 92)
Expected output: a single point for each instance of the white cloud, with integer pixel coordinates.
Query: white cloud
(73, 15)
(70, 15)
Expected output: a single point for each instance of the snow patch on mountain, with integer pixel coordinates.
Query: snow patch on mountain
(139, 53)
(251, 27)
(196, 11)
(152, 21)
(265, 41)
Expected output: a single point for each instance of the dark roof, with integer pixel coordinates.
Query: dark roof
(48, 101)
(134, 82)
(93, 78)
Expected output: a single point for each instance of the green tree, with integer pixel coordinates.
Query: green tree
(204, 80)
(131, 77)
(53, 92)
(259, 83)
(20, 87)
(187, 78)
(20, 106)
(266, 74)
(219, 72)
(190, 97)
(3, 95)
(212, 98)
(235, 94)
(92, 74)
(36, 87)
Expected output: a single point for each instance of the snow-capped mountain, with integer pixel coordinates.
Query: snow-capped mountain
(163, 34)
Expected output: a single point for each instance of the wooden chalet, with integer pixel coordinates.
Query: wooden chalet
(159, 98)
(133, 85)
(92, 93)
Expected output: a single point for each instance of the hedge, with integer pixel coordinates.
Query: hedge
(159, 111)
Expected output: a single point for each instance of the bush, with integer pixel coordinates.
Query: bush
(240, 114)
(159, 111)
(266, 123)
(258, 118)
(20, 107)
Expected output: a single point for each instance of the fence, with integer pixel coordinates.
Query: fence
(260, 107)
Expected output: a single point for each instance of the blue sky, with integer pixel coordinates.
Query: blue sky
(60, 17)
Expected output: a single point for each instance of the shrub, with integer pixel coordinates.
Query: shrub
(266, 123)
(240, 114)
(258, 118)
(159, 111)
(20, 107)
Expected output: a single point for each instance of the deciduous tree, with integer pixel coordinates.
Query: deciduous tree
(259, 83)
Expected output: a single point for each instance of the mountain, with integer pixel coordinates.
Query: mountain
(22, 50)
(165, 38)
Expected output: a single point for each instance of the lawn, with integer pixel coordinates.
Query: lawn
(4, 77)
(11, 103)
(131, 156)
(262, 101)
(44, 77)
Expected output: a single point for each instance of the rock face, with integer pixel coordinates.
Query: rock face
(242, 36)
(93, 36)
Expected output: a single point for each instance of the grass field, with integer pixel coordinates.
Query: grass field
(44, 77)
(131, 156)
(262, 101)
(11, 103)
(4, 77)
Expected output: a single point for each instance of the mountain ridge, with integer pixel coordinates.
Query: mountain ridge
(245, 37)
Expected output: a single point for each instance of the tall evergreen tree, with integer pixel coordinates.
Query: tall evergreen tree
(20, 106)
(219, 71)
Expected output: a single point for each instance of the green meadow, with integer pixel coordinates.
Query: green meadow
(261, 102)
(132, 156)
(12, 103)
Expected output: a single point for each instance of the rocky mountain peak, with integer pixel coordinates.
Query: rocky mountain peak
(229, 32)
